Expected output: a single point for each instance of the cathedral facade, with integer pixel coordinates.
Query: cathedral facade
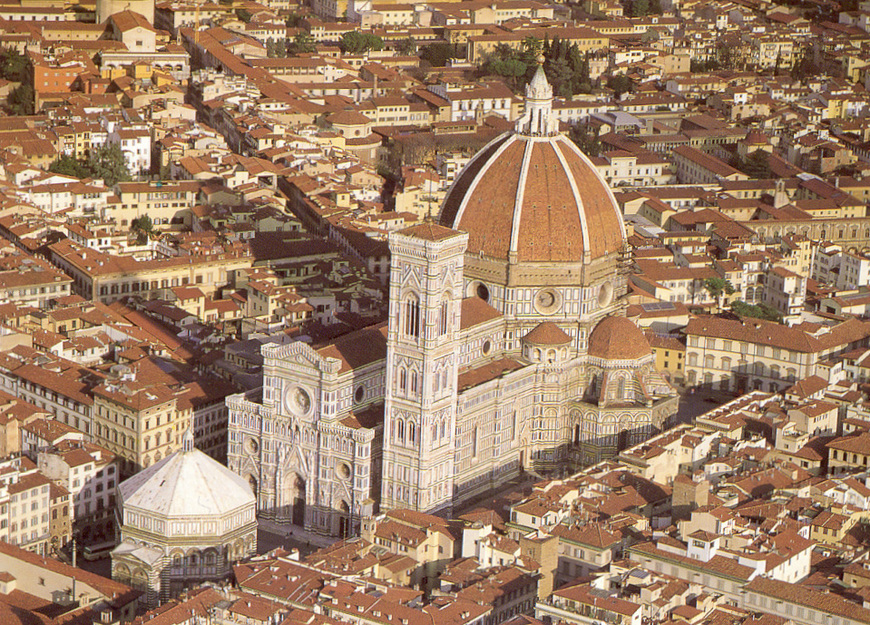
(505, 350)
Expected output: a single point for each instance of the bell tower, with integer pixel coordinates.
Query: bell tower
(422, 351)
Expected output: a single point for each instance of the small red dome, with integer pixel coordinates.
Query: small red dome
(617, 338)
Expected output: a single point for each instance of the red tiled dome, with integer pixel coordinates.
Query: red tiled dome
(547, 333)
(534, 199)
(617, 338)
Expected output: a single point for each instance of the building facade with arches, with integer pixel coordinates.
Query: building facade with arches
(183, 521)
(505, 350)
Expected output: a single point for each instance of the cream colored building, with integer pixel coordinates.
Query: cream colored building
(108, 278)
(762, 355)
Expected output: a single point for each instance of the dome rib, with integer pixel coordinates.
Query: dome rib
(581, 212)
(459, 189)
(521, 194)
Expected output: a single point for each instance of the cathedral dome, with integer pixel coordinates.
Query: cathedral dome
(617, 338)
(531, 196)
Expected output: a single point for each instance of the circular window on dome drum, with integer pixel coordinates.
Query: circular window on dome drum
(487, 347)
(605, 294)
(548, 301)
(360, 394)
(482, 291)
(298, 401)
(251, 446)
(343, 470)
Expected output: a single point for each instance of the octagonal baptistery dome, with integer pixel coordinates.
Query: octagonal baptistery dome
(183, 520)
(545, 235)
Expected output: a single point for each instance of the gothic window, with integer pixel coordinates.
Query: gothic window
(444, 314)
(400, 430)
(412, 433)
(403, 381)
(414, 379)
(412, 316)
(620, 388)
(444, 428)
(434, 432)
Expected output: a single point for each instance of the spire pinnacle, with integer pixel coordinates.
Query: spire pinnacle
(538, 120)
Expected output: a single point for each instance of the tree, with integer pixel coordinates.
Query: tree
(21, 100)
(293, 20)
(244, 15)
(586, 138)
(68, 165)
(620, 84)
(639, 8)
(508, 63)
(407, 46)
(758, 311)
(13, 65)
(437, 54)
(650, 36)
(143, 227)
(355, 42)
(727, 55)
(303, 43)
(756, 165)
(717, 287)
(804, 66)
(108, 162)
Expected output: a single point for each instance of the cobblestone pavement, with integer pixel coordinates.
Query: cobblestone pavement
(271, 535)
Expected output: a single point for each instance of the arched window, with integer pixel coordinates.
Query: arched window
(620, 388)
(414, 380)
(412, 316)
(412, 432)
(443, 428)
(434, 432)
(403, 380)
(444, 316)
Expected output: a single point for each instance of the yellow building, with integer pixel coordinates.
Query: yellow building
(830, 527)
(425, 538)
(669, 354)
(849, 453)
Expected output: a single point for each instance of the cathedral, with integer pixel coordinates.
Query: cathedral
(506, 350)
